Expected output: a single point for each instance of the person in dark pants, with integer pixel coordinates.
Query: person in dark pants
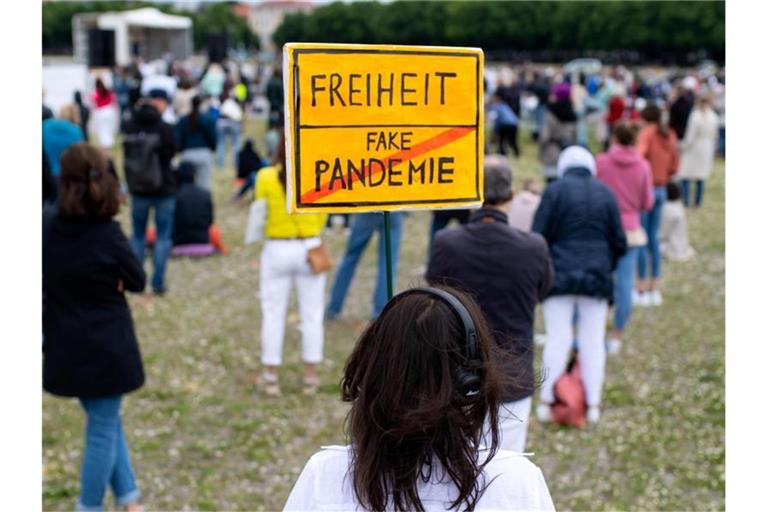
(504, 125)
(85, 114)
(148, 119)
(364, 225)
(507, 282)
(89, 345)
(249, 162)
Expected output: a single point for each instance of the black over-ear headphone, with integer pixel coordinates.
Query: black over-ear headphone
(467, 379)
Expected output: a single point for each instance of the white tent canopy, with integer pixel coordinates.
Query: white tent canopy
(147, 32)
(148, 17)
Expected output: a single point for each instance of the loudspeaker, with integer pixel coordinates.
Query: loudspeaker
(101, 48)
(217, 47)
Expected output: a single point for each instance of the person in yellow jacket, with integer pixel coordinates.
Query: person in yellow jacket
(288, 237)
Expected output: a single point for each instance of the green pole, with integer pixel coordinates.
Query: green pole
(388, 249)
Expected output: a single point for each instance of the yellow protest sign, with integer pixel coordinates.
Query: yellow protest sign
(379, 127)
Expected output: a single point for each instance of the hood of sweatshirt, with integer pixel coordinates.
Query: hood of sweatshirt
(623, 156)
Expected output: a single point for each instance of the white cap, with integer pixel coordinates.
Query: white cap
(575, 156)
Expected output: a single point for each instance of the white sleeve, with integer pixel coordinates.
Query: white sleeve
(302, 495)
(541, 499)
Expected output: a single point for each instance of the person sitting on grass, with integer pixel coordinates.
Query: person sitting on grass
(194, 233)
(422, 380)
(673, 231)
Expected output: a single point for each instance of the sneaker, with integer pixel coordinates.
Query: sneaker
(269, 384)
(593, 414)
(655, 298)
(539, 340)
(162, 290)
(643, 299)
(544, 412)
(637, 297)
(613, 346)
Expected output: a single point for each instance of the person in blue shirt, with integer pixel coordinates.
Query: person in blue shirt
(196, 136)
(59, 134)
(504, 124)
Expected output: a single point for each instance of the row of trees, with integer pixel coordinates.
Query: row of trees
(210, 18)
(649, 29)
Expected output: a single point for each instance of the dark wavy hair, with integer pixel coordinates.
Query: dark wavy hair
(88, 188)
(408, 420)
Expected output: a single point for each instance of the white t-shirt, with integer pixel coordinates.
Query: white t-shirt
(515, 484)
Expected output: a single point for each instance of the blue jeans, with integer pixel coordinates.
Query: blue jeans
(624, 281)
(106, 461)
(164, 209)
(363, 227)
(721, 141)
(685, 190)
(651, 221)
(539, 113)
(581, 129)
(227, 129)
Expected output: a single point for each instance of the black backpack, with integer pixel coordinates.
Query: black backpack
(143, 171)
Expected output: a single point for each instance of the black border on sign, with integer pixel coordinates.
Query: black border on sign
(298, 127)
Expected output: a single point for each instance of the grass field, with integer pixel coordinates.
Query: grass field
(202, 438)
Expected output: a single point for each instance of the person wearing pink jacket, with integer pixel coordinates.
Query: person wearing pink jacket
(628, 175)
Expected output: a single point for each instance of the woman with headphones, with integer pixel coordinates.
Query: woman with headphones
(421, 381)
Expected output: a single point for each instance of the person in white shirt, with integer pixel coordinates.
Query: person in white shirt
(422, 380)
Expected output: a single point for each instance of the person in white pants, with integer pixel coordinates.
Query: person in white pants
(282, 263)
(579, 217)
(591, 314)
(284, 260)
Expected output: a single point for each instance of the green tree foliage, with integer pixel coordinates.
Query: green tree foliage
(210, 18)
(57, 18)
(220, 18)
(647, 27)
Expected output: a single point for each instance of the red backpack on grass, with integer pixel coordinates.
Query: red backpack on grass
(570, 402)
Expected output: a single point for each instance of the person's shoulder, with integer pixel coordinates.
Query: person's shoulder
(530, 240)
(267, 175)
(602, 158)
(602, 188)
(107, 229)
(330, 462)
(513, 477)
(449, 237)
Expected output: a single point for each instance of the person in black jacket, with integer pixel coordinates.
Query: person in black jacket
(49, 184)
(194, 233)
(148, 119)
(508, 272)
(680, 110)
(85, 114)
(249, 162)
(579, 218)
(89, 347)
